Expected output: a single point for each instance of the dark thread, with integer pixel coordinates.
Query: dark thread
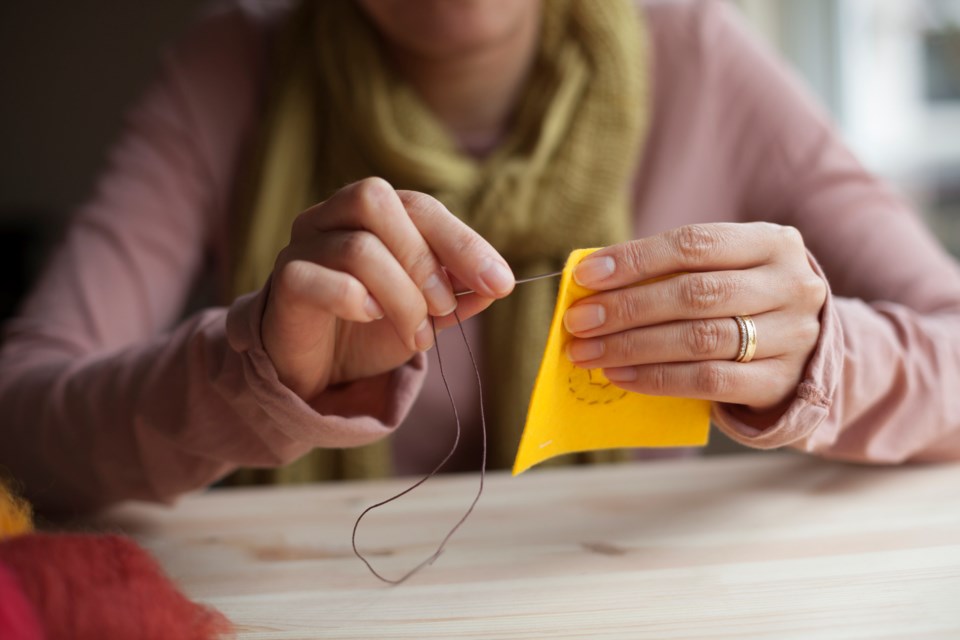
(483, 466)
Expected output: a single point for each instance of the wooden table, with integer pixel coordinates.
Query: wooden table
(759, 545)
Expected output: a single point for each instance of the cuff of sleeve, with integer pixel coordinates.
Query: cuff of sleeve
(346, 415)
(815, 394)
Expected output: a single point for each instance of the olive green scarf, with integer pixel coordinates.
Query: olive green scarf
(559, 180)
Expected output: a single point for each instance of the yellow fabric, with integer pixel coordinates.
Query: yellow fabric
(15, 514)
(574, 410)
(559, 179)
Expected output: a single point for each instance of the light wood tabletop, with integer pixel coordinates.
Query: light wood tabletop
(756, 545)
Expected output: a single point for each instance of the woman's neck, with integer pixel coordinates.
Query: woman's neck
(474, 92)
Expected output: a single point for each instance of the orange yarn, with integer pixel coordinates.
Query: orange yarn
(15, 514)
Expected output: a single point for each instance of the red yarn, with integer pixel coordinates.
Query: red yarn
(94, 587)
(18, 620)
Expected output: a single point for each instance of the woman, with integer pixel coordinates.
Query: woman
(660, 131)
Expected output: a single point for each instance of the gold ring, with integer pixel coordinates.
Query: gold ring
(748, 338)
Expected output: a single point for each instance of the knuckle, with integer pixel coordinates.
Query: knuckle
(418, 200)
(633, 256)
(712, 379)
(657, 380)
(702, 292)
(622, 344)
(420, 264)
(791, 236)
(373, 190)
(355, 247)
(813, 288)
(422, 207)
(348, 292)
(703, 338)
(467, 244)
(787, 242)
(628, 306)
(696, 243)
(301, 225)
(370, 196)
(291, 282)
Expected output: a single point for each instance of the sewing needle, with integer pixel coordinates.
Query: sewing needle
(542, 276)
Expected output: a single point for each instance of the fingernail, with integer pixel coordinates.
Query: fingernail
(496, 276)
(424, 336)
(584, 317)
(439, 296)
(621, 374)
(583, 350)
(593, 271)
(372, 308)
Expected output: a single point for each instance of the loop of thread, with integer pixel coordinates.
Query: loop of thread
(483, 466)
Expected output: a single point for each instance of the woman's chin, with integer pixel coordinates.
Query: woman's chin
(441, 28)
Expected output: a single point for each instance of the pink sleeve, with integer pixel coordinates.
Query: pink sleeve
(104, 396)
(882, 384)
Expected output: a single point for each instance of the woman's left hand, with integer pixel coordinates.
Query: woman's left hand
(677, 336)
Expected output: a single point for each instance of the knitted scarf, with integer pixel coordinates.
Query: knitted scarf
(559, 179)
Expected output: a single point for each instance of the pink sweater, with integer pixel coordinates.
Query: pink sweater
(106, 396)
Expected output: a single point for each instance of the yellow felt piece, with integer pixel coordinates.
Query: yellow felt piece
(574, 409)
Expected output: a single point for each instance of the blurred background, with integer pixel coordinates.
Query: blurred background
(889, 71)
(68, 72)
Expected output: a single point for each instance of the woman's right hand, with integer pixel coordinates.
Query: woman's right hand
(351, 294)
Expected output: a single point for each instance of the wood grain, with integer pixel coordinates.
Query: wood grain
(759, 545)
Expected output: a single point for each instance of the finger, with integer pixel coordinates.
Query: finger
(686, 297)
(372, 205)
(303, 288)
(759, 384)
(699, 247)
(692, 341)
(466, 254)
(364, 256)
(470, 305)
(458, 286)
